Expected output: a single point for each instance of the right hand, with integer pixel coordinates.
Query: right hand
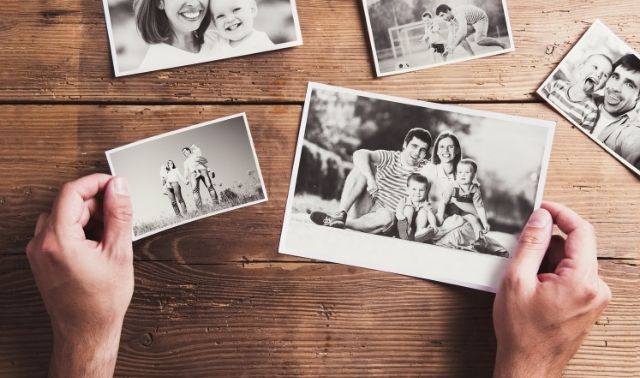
(540, 319)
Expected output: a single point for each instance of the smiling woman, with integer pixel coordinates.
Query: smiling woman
(176, 31)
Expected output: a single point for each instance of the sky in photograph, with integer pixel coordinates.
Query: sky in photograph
(226, 145)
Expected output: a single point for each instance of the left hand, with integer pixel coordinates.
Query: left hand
(86, 281)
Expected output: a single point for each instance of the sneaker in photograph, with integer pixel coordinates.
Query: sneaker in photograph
(336, 220)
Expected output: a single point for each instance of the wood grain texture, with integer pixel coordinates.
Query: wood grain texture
(49, 145)
(58, 51)
(306, 319)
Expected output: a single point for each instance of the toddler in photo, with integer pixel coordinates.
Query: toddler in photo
(575, 99)
(465, 199)
(415, 207)
(435, 36)
(233, 21)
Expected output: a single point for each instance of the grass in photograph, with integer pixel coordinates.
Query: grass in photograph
(228, 199)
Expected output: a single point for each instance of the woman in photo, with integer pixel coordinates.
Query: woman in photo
(175, 29)
(171, 180)
(454, 232)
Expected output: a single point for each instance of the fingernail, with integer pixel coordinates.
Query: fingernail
(120, 185)
(539, 219)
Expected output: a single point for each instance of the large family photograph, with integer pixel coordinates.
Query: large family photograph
(384, 182)
(597, 88)
(150, 35)
(189, 174)
(408, 35)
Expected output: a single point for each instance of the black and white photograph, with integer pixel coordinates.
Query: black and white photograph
(151, 35)
(410, 35)
(411, 187)
(597, 88)
(189, 174)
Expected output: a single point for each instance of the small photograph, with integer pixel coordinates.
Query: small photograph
(597, 88)
(412, 187)
(151, 35)
(410, 35)
(189, 174)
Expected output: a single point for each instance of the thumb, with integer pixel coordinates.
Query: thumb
(118, 216)
(532, 245)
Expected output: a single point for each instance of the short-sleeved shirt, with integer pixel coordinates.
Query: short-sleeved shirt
(391, 177)
(584, 113)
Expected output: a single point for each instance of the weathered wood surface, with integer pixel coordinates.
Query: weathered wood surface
(306, 319)
(58, 50)
(57, 143)
(208, 303)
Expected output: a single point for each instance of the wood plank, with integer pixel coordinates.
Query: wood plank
(58, 51)
(48, 145)
(306, 319)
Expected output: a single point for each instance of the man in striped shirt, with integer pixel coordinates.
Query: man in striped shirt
(575, 99)
(467, 19)
(384, 175)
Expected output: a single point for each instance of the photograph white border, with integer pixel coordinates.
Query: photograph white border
(374, 52)
(210, 123)
(596, 23)
(473, 270)
(114, 55)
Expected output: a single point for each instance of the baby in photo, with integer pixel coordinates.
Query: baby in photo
(575, 99)
(415, 209)
(233, 20)
(465, 199)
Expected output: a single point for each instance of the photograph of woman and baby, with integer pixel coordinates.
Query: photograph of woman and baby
(420, 173)
(150, 35)
(219, 174)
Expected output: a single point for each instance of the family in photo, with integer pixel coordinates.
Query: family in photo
(419, 193)
(182, 32)
(218, 174)
(421, 33)
(196, 173)
(600, 92)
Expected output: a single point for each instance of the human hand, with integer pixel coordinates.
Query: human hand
(86, 281)
(542, 317)
(486, 228)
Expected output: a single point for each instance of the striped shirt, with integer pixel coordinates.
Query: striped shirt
(584, 113)
(391, 177)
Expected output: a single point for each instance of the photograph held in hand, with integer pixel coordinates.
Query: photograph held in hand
(411, 187)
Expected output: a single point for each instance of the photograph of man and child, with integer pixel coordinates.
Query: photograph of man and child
(417, 172)
(219, 174)
(597, 88)
(149, 35)
(416, 34)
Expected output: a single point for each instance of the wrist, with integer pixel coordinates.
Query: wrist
(511, 364)
(85, 353)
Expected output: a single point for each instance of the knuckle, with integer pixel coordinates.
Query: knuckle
(512, 281)
(122, 212)
(534, 240)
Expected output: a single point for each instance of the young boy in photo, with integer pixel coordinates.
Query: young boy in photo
(233, 21)
(465, 199)
(575, 99)
(415, 207)
(434, 36)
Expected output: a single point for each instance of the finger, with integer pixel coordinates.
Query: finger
(581, 249)
(91, 210)
(70, 204)
(117, 217)
(555, 254)
(532, 246)
(41, 223)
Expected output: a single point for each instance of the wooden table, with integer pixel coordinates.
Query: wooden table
(212, 301)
